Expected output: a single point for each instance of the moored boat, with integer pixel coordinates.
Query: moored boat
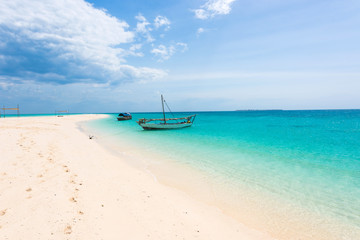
(124, 116)
(166, 123)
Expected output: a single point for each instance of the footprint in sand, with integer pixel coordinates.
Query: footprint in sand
(2, 212)
(81, 213)
(68, 230)
(29, 190)
(66, 169)
(72, 179)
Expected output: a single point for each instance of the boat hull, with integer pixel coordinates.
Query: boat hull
(153, 126)
(123, 118)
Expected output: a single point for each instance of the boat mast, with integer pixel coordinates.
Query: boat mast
(162, 102)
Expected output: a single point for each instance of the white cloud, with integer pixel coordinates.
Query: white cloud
(201, 14)
(164, 53)
(200, 31)
(135, 47)
(142, 24)
(71, 34)
(212, 8)
(162, 21)
(134, 50)
(144, 74)
(143, 27)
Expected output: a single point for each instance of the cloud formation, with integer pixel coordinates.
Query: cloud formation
(212, 8)
(164, 53)
(162, 21)
(143, 27)
(66, 41)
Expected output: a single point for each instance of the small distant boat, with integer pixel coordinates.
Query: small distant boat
(166, 123)
(124, 116)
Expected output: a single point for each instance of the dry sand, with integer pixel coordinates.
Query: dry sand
(56, 183)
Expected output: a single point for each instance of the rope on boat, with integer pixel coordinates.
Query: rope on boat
(170, 110)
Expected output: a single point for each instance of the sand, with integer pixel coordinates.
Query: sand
(57, 183)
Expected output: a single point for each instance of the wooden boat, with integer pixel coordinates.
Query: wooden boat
(166, 123)
(124, 116)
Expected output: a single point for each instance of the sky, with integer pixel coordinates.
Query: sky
(202, 55)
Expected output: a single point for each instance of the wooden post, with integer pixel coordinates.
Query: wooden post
(4, 109)
(58, 113)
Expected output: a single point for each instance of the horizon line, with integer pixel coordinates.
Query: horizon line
(237, 110)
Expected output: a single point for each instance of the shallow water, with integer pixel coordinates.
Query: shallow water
(293, 164)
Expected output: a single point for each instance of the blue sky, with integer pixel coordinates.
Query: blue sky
(113, 56)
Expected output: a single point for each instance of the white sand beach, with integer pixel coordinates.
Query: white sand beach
(56, 183)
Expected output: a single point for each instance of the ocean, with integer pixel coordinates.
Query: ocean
(292, 174)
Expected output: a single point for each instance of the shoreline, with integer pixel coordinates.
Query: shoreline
(57, 183)
(279, 218)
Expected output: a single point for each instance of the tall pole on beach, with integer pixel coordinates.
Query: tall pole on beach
(162, 103)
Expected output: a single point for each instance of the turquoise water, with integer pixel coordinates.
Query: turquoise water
(310, 159)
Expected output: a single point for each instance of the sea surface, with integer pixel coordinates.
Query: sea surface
(293, 174)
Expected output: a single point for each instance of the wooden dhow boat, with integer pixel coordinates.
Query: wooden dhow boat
(166, 123)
